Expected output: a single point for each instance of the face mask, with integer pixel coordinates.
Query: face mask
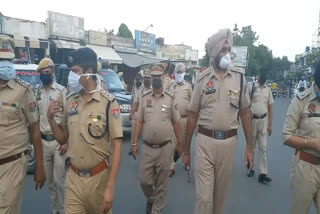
(7, 71)
(74, 83)
(156, 83)
(138, 84)
(46, 78)
(98, 82)
(146, 83)
(179, 77)
(225, 62)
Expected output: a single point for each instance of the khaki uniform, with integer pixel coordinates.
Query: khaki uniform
(18, 108)
(303, 120)
(85, 194)
(158, 114)
(168, 83)
(217, 103)
(53, 162)
(182, 93)
(261, 99)
(135, 94)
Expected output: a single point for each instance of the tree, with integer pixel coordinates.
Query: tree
(206, 59)
(124, 31)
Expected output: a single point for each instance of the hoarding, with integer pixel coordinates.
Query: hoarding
(145, 41)
(97, 38)
(239, 56)
(66, 26)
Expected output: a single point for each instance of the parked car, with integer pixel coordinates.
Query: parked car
(250, 79)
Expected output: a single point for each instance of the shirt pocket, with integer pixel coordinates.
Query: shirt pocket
(208, 100)
(165, 113)
(148, 113)
(95, 129)
(10, 115)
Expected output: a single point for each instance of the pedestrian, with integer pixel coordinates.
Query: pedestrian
(302, 85)
(301, 131)
(18, 114)
(219, 97)
(182, 93)
(157, 116)
(261, 108)
(90, 118)
(54, 157)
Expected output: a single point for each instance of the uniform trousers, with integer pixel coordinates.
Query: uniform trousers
(214, 162)
(183, 124)
(54, 168)
(11, 185)
(305, 185)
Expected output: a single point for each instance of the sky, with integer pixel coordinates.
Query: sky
(285, 26)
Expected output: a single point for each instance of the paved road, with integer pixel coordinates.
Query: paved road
(247, 195)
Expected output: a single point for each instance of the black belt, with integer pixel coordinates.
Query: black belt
(47, 137)
(219, 135)
(157, 146)
(254, 116)
(12, 158)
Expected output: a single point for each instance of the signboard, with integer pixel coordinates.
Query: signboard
(145, 41)
(239, 56)
(97, 38)
(65, 26)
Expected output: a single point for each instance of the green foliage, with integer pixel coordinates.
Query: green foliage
(124, 31)
(206, 59)
(313, 58)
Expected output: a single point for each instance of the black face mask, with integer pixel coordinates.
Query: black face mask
(46, 79)
(147, 83)
(138, 84)
(156, 83)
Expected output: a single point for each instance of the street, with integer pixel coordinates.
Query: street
(247, 195)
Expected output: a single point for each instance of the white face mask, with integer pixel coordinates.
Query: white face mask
(75, 85)
(179, 77)
(225, 62)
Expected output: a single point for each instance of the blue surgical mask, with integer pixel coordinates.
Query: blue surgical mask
(7, 71)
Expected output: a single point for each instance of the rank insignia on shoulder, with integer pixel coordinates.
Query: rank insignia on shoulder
(32, 106)
(115, 113)
(149, 104)
(210, 88)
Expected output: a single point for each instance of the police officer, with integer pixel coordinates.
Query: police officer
(157, 116)
(18, 112)
(53, 154)
(182, 92)
(301, 131)
(90, 118)
(219, 96)
(261, 108)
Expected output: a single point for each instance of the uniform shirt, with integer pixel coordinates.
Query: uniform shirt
(182, 93)
(43, 96)
(17, 108)
(261, 99)
(167, 83)
(298, 121)
(158, 114)
(141, 92)
(84, 150)
(135, 91)
(217, 101)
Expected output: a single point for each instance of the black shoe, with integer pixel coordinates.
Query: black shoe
(149, 207)
(264, 178)
(251, 173)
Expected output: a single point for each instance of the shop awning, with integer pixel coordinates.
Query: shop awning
(19, 41)
(134, 60)
(66, 44)
(106, 53)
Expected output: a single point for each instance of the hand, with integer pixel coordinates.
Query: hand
(135, 152)
(54, 107)
(39, 177)
(179, 148)
(107, 199)
(249, 157)
(130, 116)
(63, 149)
(269, 130)
(186, 159)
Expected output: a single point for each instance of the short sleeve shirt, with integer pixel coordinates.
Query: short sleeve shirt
(158, 114)
(217, 100)
(261, 99)
(182, 94)
(18, 107)
(85, 123)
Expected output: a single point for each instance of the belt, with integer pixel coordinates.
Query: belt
(90, 172)
(157, 146)
(12, 158)
(184, 116)
(254, 116)
(308, 157)
(47, 137)
(219, 135)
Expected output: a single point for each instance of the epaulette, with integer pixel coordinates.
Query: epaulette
(235, 69)
(146, 92)
(107, 95)
(203, 74)
(22, 82)
(304, 94)
(71, 94)
(60, 87)
(169, 93)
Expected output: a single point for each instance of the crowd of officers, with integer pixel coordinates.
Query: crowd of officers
(85, 127)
